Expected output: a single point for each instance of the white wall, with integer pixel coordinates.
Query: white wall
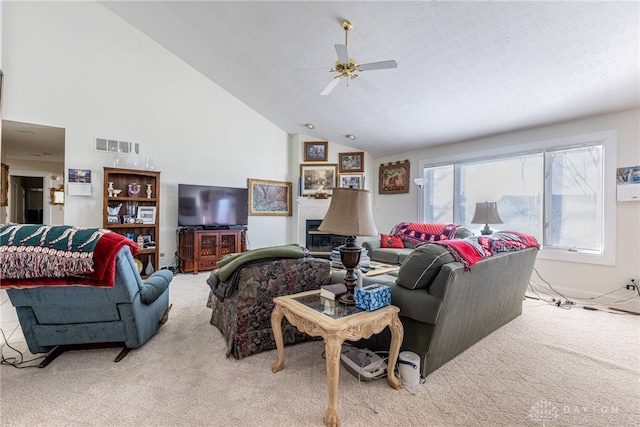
(585, 278)
(77, 66)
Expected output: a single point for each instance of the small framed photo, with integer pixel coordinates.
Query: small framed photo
(147, 214)
(316, 151)
(113, 219)
(128, 219)
(351, 162)
(351, 180)
(147, 238)
(317, 179)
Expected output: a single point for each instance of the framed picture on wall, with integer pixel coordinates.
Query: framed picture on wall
(351, 180)
(394, 178)
(317, 178)
(316, 151)
(269, 197)
(351, 162)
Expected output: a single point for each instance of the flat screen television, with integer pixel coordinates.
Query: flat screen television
(212, 207)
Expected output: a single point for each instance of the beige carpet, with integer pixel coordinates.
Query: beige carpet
(550, 367)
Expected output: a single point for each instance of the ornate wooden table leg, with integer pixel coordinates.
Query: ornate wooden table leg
(332, 348)
(397, 332)
(276, 325)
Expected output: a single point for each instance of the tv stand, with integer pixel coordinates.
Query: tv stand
(215, 227)
(202, 249)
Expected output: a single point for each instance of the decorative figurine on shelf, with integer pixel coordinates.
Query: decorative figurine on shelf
(149, 270)
(148, 191)
(140, 241)
(113, 209)
(110, 189)
(134, 190)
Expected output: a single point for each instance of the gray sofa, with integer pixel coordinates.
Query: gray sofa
(397, 255)
(444, 308)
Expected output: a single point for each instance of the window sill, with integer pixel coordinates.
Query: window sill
(583, 257)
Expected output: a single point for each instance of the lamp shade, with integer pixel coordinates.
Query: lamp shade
(486, 213)
(349, 214)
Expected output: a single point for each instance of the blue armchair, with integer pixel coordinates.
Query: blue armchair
(60, 318)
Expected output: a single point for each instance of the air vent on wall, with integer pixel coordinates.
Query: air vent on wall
(112, 145)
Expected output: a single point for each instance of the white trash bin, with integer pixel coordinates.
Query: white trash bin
(409, 367)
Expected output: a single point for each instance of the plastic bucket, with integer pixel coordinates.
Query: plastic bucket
(409, 367)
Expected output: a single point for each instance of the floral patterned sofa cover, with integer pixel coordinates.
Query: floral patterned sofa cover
(243, 314)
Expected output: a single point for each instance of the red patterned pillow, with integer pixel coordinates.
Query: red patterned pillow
(389, 241)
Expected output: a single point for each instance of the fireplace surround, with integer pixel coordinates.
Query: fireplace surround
(318, 242)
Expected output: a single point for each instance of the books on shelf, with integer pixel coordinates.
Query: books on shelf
(333, 291)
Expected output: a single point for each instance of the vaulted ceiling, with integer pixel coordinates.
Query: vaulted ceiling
(465, 69)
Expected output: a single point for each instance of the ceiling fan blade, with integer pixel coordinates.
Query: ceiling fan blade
(333, 83)
(368, 87)
(378, 65)
(343, 54)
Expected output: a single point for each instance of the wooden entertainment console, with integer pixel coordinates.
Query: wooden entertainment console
(202, 249)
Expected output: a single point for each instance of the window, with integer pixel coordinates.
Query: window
(555, 191)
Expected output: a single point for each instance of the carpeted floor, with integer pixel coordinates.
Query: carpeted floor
(549, 367)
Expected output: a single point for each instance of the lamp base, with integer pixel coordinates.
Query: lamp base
(347, 299)
(350, 258)
(486, 230)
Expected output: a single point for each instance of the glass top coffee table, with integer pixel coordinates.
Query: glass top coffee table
(306, 312)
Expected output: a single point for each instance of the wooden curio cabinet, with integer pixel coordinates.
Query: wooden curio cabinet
(134, 211)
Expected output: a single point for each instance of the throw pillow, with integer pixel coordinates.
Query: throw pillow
(389, 241)
(422, 266)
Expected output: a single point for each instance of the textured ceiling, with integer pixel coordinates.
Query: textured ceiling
(465, 69)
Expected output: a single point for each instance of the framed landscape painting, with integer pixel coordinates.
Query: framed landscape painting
(317, 178)
(316, 151)
(394, 178)
(269, 197)
(351, 162)
(351, 180)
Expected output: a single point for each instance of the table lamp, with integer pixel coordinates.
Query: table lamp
(349, 215)
(486, 213)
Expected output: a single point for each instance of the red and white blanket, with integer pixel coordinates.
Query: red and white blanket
(43, 255)
(420, 233)
(472, 249)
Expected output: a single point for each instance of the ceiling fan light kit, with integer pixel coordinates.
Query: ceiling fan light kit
(346, 67)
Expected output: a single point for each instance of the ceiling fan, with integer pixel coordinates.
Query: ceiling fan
(347, 68)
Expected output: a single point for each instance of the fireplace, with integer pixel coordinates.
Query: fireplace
(318, 242)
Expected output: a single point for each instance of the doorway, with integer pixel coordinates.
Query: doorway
(28, 199)
(35, 156)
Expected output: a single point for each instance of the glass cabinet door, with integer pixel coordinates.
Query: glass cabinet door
(208, 245)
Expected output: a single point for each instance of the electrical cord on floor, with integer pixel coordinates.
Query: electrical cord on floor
(16, 362)
(588, 303)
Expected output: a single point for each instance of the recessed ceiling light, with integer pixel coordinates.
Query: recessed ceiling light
(309, 126)
(351, 137)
